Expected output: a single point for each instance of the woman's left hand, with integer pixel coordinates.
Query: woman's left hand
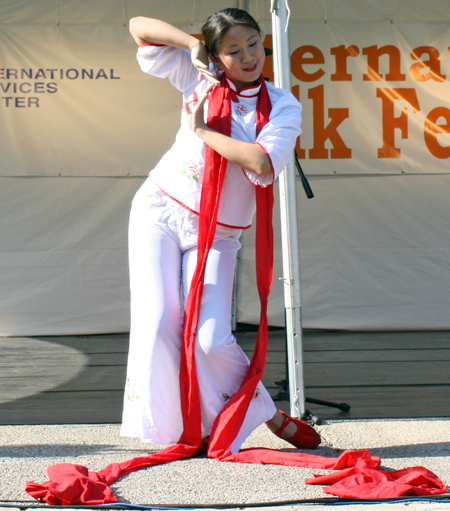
(196, 115)
(199, 57)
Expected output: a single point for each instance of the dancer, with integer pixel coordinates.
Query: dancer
(215, 394)
(164, 225)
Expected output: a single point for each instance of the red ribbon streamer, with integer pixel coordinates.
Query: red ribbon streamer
(73, 484)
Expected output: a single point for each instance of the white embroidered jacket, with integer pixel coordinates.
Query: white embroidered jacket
(179, 173)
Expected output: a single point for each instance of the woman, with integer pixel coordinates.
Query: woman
(254, 137)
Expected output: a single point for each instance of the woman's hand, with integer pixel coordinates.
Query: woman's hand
(196, 115)
(149, 30)
(200, 60)
(244, 154)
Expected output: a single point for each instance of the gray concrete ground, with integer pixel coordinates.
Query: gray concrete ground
(26, 452)
(413, 383)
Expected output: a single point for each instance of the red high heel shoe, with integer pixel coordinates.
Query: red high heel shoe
(306, 437)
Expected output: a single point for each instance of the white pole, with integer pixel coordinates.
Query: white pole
(289, 231)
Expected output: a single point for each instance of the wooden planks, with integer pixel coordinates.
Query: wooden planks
(383, 402)
(80, 379)
(73, 407)
(380, 374)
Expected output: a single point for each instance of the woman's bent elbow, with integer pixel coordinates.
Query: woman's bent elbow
(136, 27)
(264, 167)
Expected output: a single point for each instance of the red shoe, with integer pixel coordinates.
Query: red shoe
(306, 437)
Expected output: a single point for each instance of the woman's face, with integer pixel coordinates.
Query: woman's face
(241, 56)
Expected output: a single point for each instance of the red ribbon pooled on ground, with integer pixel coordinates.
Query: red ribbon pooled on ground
(365, 482)
(70, 484)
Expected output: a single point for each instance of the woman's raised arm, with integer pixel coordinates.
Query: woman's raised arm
(153, 31)
(149, 30)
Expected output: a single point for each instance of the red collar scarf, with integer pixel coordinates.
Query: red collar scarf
(75, 485)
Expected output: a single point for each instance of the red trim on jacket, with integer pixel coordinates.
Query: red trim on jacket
(193, 211)
(150, 44)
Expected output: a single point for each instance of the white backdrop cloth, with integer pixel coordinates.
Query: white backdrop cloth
(81, 126)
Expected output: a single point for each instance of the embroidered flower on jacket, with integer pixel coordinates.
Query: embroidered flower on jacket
(241, 109)
(226, 396)
(190, 169)
(131, 396)
(194, 99)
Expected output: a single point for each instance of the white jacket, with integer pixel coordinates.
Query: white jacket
(179, 173)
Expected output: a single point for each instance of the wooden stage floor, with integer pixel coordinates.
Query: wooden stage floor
(80, 379)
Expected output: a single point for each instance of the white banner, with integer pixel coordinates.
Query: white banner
(73, 101)
(77, 117)
(374, 95)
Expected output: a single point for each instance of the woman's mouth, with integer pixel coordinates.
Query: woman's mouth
(250, 69)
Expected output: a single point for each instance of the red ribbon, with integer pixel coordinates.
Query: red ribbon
(74, 484)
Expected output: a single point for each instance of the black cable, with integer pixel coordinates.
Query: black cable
(306, 187)
(336, 501)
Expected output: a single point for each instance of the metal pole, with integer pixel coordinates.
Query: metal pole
(289, 230)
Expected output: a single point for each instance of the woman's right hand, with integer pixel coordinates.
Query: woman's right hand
(200, 59)
(195, 115)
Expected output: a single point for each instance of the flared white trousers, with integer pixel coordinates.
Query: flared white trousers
(163, 255)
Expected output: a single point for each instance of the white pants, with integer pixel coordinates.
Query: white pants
(163, 254)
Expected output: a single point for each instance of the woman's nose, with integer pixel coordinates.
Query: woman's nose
(247, 55)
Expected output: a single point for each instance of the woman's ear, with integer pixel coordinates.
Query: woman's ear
(215, 61)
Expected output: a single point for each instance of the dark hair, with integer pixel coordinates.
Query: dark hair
(218, 24)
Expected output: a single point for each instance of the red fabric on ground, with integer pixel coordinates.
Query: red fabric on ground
(271, 457)
(363, 482)
(71, 484)
(357, 477)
